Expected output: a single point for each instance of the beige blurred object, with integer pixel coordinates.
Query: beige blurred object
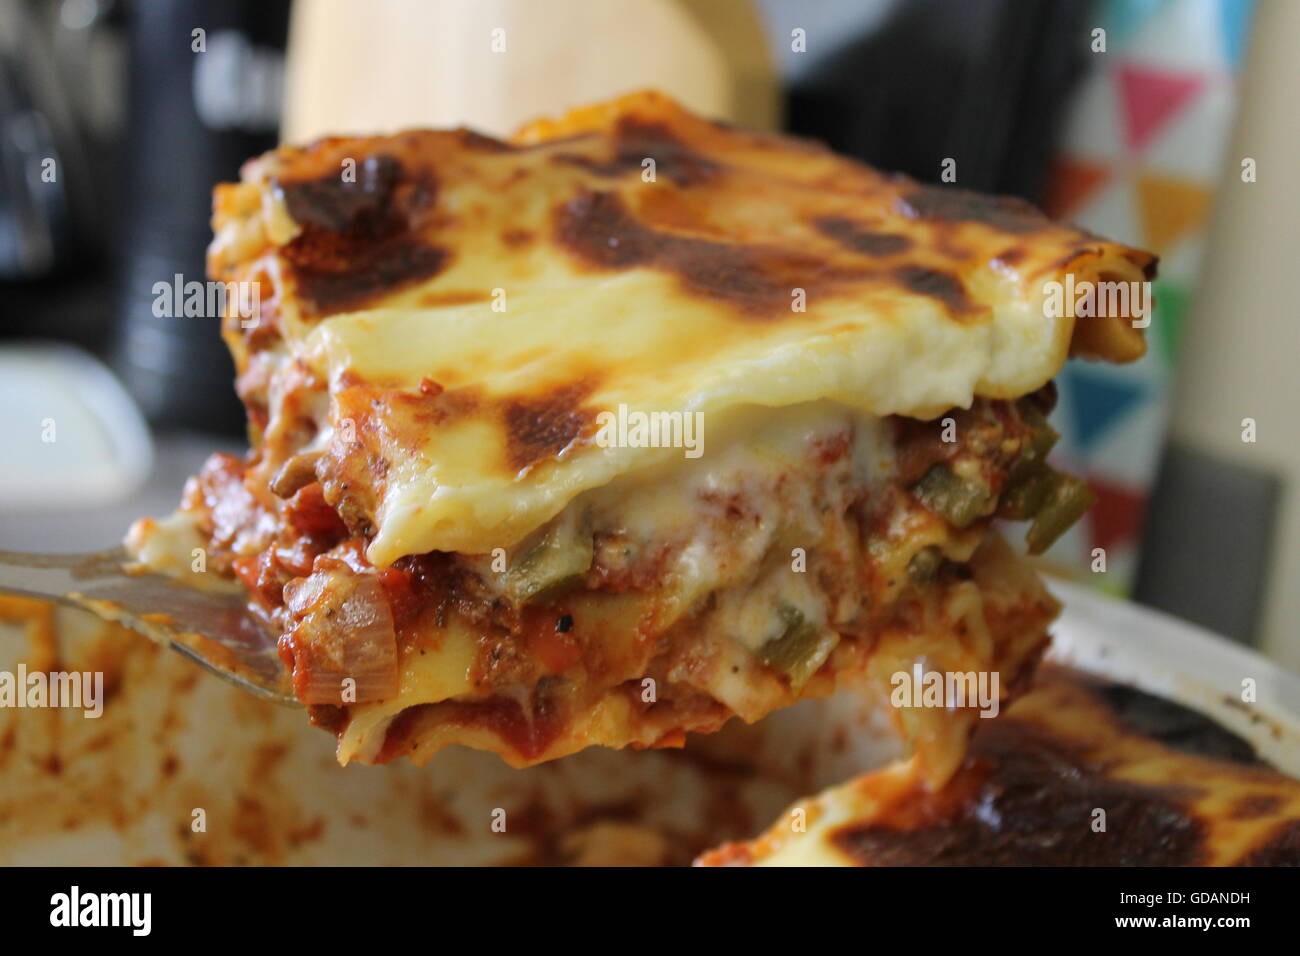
(387, 65)
(125, 788)
(1241, 346)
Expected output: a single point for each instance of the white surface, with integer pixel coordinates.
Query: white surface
(1172, 659)
(71, 436)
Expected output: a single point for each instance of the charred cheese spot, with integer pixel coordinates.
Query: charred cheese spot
(1028, 800)
(359, 239)
(387, 422)
(1280, 848)
(338, 204)
(1176, 727)
(945, 204)
(943, 286)
(860, 239)
(636, 141)
(1255, 805)
(759, 281)
(542, 426)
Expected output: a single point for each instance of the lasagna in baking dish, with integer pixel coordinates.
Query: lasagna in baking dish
(1078, 772)
(631, 424)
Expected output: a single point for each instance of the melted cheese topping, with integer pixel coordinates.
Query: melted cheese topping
(475, 305)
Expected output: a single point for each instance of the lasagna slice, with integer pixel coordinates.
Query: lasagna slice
(1176, 789)
(631, 424)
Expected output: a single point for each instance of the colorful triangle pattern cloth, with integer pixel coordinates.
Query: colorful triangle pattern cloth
(1143, 148)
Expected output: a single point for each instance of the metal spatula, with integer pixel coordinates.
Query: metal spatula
(211, 628)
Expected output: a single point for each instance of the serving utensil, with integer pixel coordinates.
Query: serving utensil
(213, 628)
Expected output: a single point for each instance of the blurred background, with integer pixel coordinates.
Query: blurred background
(1168, 124)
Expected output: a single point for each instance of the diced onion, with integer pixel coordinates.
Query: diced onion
(343, 633)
